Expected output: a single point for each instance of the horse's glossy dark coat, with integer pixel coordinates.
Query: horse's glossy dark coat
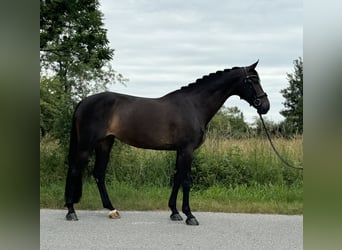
(176, 121)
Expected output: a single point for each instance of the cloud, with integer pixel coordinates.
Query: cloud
(162, 45)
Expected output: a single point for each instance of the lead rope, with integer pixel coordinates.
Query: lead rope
(275, 150)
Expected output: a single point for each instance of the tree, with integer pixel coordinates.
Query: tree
(55, 110)
(293, 95)
(273, 128)
(74, 58)
(228, 122)
(74, 46)
(49, 108)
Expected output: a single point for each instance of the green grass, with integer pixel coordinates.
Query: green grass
(279, 199)
(228, 176)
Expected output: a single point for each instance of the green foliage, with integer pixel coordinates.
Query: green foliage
(248, 162)
(220, 168)
(53, 163)
(227, 175)
(49, 108)
(274, 129)
(74, 46)
(228, 123)
(140, 167)
(74, 59)
(225, 163)
(280, 199)
(293, 95)
(55, 110)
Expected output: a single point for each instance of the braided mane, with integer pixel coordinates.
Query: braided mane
(202, 82)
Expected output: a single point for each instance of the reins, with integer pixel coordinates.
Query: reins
(275, 150)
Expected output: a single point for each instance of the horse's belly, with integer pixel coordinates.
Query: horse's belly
(146, 142)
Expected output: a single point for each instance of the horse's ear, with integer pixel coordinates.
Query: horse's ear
(253, 66)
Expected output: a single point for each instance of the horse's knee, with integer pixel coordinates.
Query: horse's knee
(74, 173)
(98, 174)
(186, 184)
(83, 158)
(186, 187)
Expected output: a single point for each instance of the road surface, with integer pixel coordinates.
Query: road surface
(154, 230)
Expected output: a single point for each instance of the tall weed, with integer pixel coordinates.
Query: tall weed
(228, 163)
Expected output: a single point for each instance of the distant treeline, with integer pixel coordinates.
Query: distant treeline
(229, 123)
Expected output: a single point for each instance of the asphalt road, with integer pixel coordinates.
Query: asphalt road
(154, 230)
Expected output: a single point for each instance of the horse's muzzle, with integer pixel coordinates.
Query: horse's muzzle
(263, 106)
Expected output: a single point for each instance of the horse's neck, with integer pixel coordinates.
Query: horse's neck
(209, 102)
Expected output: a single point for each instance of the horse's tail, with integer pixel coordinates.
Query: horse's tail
(73, 185)
(73, 137)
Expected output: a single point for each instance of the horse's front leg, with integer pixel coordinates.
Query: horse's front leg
(184, 160)
(186, 184)
(173, 198)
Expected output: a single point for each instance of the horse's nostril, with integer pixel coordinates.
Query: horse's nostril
(257, 102)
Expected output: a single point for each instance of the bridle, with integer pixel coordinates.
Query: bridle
(258, 94)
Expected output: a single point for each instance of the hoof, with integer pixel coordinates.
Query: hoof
(192, 221)
(71, 216)
(114, 214)
(176, 217)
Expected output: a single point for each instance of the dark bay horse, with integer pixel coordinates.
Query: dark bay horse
(176, 121)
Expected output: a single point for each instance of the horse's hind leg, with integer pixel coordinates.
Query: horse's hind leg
(102, 150)
(73, 187)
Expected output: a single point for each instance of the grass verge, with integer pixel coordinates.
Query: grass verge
(272, 199)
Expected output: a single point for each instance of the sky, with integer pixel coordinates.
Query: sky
(163, 45)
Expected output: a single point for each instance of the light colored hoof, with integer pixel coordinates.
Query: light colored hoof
(114, 214)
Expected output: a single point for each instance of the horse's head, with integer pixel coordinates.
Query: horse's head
(251, 91)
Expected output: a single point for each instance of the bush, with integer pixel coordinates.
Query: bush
(220, 168)
(139, 167)
(227, 163)
(53, 165)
